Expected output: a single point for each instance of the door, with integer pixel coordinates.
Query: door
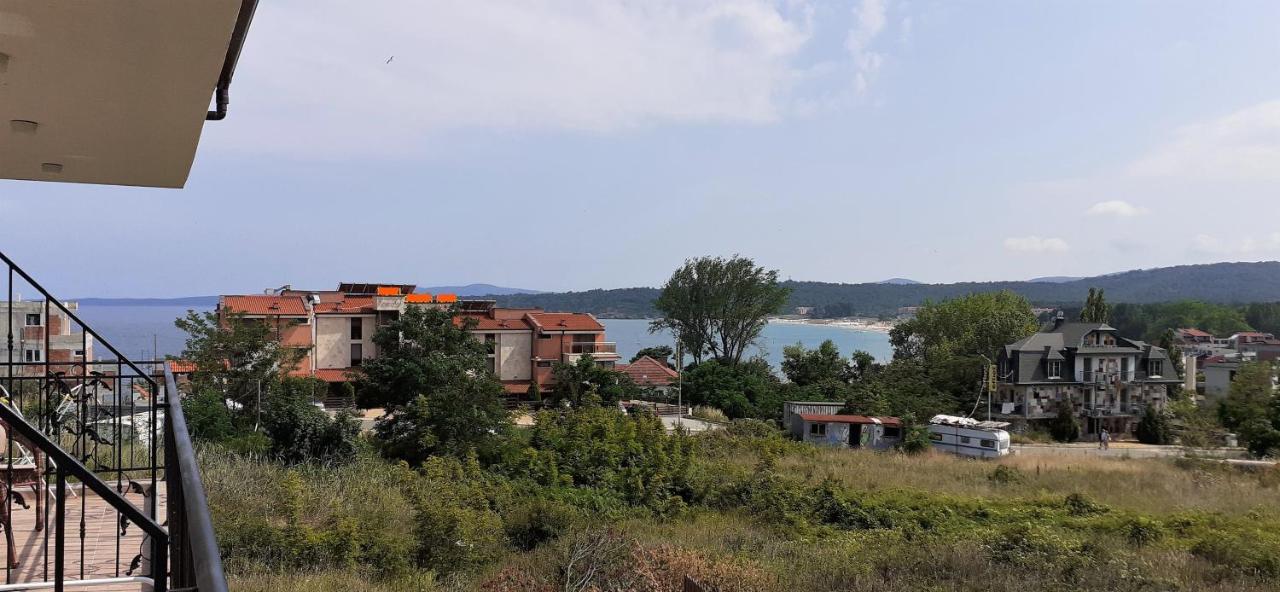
(855, 435)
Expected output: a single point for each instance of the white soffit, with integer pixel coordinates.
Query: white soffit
(117, 89)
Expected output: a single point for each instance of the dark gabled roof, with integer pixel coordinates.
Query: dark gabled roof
(1073, 333)
(1064, 342)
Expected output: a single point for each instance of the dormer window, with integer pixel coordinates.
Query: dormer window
(1155, 368)
(1055, 368)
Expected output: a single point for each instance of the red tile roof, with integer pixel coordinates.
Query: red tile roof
(1195, 332)
(565, 321)
(181, 366)
(859, 419)
(265, 305)
(648, 372)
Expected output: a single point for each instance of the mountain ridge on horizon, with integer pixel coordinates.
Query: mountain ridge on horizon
(635, 296)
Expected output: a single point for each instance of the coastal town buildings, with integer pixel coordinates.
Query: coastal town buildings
(1215, 360)
(335, 328)
(652, 375)
(1108, 380)
(42, 338)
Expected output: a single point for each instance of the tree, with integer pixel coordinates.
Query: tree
(809, 366)
(1153, 428)
(973, 325)
(661, 353)
(236, 357)
(422, 351)
(457, 419)
(1169, 343)
(1095, 308)
(717, 307)
(301, 432)
(1064, 427)
(585, 382)
(749, 389)
(1252, 408)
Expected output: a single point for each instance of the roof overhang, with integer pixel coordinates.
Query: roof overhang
(116, 91)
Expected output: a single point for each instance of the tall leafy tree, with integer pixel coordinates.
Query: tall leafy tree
(1095, 309)
(717, 307)
(809, 366)
(423, 350)
(973, 325)
(586, 383)
(437, 385)
(236, 357)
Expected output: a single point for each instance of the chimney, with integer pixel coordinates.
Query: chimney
(1059, 320)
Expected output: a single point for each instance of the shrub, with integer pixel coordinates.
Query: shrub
(532, 522)
(1065, 427)
(707, 413)
(208, 418)
(1153, 428)
(1005, 474)
(1077, 504)
(454, 525)
(1142, 531)
(301, 432)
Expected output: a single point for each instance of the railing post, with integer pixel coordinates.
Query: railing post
(60, 526)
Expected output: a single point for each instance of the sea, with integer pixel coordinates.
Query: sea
(147, 332)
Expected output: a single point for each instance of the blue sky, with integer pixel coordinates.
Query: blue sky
(572, 145)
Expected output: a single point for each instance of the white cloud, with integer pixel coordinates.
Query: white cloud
(1242, 145)
(1117, 208)
(1035, 244)
(869, 22)
(1244, 246)
(314, 75)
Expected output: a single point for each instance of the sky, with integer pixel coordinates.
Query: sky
(570, 145)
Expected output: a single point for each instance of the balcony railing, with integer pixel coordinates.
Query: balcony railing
(592, 347)
(105, 443)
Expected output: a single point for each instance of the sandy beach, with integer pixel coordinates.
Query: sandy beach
(854, 324)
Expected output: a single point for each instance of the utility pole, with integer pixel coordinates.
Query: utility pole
(679, 383)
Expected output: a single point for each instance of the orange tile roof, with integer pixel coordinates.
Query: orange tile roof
(265, 305)
(484, 323)
(348, 305)
(336, 374)
(648, 372)
(181, 366)
(565, 321)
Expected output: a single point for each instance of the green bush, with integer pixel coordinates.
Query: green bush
(301, 432)
(1142, 531)
(1153, 428)
(1064, 427)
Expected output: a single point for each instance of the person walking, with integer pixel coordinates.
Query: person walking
(1104, 439)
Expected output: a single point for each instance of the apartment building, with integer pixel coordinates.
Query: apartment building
(336, 329)
(38, 337)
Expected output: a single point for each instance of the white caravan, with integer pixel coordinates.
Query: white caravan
(966, 436)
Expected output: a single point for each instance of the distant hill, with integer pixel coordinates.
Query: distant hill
(1218, 282)
(1055, 279)
(476, 290)
(192, 301)
(900, 282)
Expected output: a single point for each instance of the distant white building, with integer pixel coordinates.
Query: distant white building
(42, 339)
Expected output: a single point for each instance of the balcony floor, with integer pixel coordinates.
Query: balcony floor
(100, 559)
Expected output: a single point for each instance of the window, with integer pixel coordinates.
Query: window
(33, 320)
(544, 363)
(892, 432)
(32, 355)
(935, 436)
(357, 354)
(544, 336)
(357, 329)
(1157, 367)
(964, 439)
(817, 429)
(988, 443)
(79, 353)
(1055, 368)
(490, 342)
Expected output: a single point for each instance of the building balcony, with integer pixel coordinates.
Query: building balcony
(598, 350)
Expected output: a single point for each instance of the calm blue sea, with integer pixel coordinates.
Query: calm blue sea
(141, 332)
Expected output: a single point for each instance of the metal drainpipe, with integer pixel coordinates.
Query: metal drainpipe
(223, 96)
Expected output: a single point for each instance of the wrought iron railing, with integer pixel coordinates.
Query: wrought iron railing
(110, 437)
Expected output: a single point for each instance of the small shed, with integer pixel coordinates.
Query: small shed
(851, 431)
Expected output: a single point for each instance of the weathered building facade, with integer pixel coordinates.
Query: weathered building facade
(1107, 380)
